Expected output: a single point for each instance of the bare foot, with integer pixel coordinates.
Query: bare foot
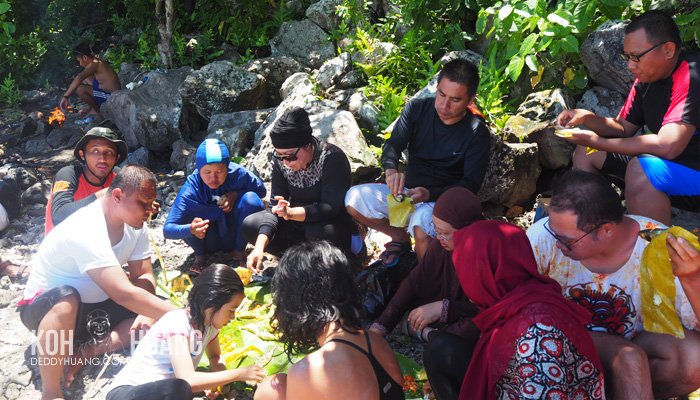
(199, 264)
(71, 370)
(84, 110)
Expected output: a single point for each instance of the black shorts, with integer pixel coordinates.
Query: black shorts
(94, 322)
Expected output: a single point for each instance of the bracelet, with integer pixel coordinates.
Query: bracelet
(65, 97)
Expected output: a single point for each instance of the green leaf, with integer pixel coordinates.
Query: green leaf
(515, 67)
(531, 62)
(560, 17)
(481, 23)
(528, 44)
(4, 7)
(408, 366)
(616, 3)
(505, 11)
(569, 44)
(544, 43)
(583, 14)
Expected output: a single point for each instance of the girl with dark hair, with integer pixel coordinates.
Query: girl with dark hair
(317, 307)
(163, 365)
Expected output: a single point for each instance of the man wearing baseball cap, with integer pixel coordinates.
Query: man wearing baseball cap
(76, 186)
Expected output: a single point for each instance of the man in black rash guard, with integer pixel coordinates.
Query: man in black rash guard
(76, 186)
(663, 167)
(448, 145)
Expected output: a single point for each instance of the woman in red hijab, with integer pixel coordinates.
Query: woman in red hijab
(534, 343)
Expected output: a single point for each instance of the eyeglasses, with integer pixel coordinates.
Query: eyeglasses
(443, 237)
(569, 243)
(286, 157)
(636, 57)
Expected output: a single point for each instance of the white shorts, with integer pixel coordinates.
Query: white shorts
(369, 199)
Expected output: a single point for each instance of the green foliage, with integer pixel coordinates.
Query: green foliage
(689, 24)
(491, 99)
(9, 93)
(386, 97)
(544, 37)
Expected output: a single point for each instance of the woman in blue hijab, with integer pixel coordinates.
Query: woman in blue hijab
(210, 207)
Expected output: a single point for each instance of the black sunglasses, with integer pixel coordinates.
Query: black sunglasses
(287, 157)
(569, 243)
(636, 57)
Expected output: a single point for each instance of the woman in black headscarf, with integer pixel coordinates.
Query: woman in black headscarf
(307, 201)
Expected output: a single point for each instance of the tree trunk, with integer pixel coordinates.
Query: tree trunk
(166, 31)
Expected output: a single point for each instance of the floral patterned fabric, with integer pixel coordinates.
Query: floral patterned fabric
(546, 365)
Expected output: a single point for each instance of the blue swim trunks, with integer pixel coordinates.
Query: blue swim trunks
(100, 95)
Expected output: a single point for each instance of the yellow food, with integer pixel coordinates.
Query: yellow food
(658, 285)
(245, 274)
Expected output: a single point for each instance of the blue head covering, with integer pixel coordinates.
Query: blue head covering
(211, 151)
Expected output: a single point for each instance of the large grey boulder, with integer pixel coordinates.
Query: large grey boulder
(140, 156)
(337, 127)
(129, 73)
(324, 15)
(531, 124)
(152, 115)
(603, 102)
(237, 130)
(276, 70)
(222, 87)
(600, 53)
(38, 193)
(512, 173)
(67, 135)
(304, 41)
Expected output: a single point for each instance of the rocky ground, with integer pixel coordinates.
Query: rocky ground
(37, 148)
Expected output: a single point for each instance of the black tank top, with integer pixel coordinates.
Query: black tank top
(389, 389)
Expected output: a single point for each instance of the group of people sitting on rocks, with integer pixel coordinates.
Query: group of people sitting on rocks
(554, 312)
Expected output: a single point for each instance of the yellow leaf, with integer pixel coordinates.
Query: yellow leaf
(537, 78)
(568, 76)
(659, 287)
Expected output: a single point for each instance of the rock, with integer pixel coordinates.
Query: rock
(65, 136)
(6, 297)
(38, 193)
(222, 87)
(600, 53)
(237, 129)
(229, 54)
(304, 41)
(368, 117)
(531, 124)
(511, 174)
(324, 15)
(36, 145)
(12, 391)
(36, 115)
(152, 115)
(28, 128)
(299, 82)
(603, 102)
(331, 72)
(337, 127)
(180, 155)
(357, 100)
(276, 70)
(21, 378)
(129, 73)
(140, 156)
(23, 176)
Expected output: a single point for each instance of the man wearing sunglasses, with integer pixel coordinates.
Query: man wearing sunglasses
(594, 251)
(661, 168)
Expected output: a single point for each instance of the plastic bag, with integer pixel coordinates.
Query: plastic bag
(399, 209)
(658, 285)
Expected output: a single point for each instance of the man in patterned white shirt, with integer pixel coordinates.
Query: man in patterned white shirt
(594, 251)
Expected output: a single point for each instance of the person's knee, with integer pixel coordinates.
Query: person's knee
(180, 386)
(274, 387)
(251, 200)
(636, 179)
(629, 360)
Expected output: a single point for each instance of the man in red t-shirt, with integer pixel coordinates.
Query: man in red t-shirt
(663, 167)
(76, 186)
